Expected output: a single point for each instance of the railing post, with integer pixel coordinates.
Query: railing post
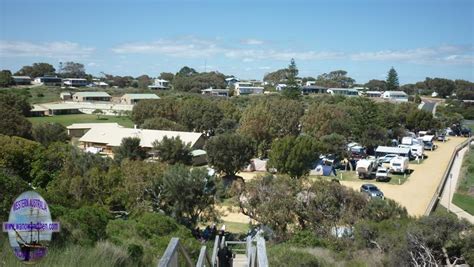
(214, 251)
(261, 252)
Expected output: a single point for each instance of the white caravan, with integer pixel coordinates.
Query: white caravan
(399, 164)
(365, 167)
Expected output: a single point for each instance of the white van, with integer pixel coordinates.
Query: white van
(399, 164)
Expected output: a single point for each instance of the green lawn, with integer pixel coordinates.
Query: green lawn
(67, 120)
(465, 202)
(464, 196)
(352, 176)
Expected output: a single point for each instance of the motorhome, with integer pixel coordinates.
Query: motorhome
(365, 168)
(416, 150)
(399, 164)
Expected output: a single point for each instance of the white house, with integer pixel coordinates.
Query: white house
(373, 93)
(280, 86)
(398, 96)
(246, 88)
(310, 83)
(215, 92)
(343, 91)
(159, 84)
(231, 80)
(132, 99)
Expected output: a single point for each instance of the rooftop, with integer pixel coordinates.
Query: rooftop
(141, 96)
(112, 136)
(77, 126)
(393, 150)
(92, 94)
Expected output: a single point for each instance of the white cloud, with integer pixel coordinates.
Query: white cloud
(433, 55)
(192, 47)
(62, 50)
(185, 48)
(251, 42)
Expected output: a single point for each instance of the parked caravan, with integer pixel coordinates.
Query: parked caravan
(399, 165)
(428, 142)
(365, 168)
(416, 150)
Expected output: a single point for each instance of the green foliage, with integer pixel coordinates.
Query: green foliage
(337, 78)
(187, 79)
(392, 80)
(229, 153)
(36, 70)
(276, 76)
(443, 87)
(72, 70)
(376, 85)
(159, 123)
(48, 163)
(270, 118)
(284, 255)
(18, 102)
(173, 150)
(324, 119)
(13, 123)
(142, 186)
(47, 133)
(85, 225)
(129, 149)
(98, 112)
(293, 155)
(6, 78)
(166, 108)
(292, 89)
(188, 194)
(200, 115)
(11, 187)
(17, 155)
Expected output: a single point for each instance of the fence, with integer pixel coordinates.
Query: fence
(439, 190)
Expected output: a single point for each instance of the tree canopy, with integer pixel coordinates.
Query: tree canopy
(229, 153)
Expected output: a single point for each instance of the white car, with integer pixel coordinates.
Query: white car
(381, 174)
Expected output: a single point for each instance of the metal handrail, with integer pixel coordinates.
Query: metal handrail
(203, 259)
(439, 190)
(214, 251)
(170, 257)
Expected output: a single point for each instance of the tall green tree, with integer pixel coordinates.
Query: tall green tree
(293, 155)
(129, 149)
(292, 89)
(6, 78)
(47, 133)
(229, 153)
(13, 123)
(337, 78)
(173, 150)
(188, 194)
(72, 70)
(37, 70)
(392, 80)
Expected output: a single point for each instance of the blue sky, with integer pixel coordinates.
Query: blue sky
(244, 38)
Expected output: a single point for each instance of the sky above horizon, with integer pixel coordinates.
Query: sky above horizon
(243, 38)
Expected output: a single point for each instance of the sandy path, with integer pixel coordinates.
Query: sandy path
(416, 193)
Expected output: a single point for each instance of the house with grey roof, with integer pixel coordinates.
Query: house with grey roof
(91, 96)
(132, 99)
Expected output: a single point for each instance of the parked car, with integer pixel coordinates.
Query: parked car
(442, 137)
(372, 191)
(381, 174)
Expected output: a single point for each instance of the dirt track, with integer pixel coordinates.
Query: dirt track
(416, 193)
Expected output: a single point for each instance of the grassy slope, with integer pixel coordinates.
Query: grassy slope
(462, 198)
(67, 120)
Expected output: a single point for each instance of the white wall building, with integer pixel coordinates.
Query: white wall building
(246, 88)
(159, 84)
(398, 96)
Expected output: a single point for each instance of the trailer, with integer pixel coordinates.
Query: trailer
(399, 164)
(365, 168)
